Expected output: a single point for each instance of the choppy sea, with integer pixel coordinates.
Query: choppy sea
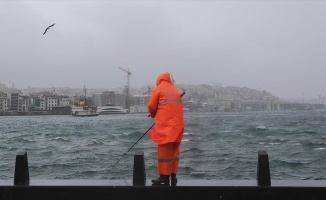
(221, 146)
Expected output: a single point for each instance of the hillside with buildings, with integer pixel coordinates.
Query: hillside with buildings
(198, 98)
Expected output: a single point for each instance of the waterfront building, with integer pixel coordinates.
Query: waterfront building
(110, 98)
(105, 98)
(18, 103)
(36, 102)
(42, 102)
(52, 101)
(14, 102)
(140, 100)
(139, 103)
(65, 101)
(61, 110)
(24, 103)
(3, 102)
(120, 100)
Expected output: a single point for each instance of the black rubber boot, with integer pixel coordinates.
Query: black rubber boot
(163, 180)
(174, 179)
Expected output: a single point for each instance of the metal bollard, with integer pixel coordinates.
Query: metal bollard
(139, 175)
(21, 169)
(263, 173)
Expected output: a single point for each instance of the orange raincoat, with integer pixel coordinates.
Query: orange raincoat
(165, 105)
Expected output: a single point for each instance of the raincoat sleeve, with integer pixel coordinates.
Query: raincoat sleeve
(153, 103)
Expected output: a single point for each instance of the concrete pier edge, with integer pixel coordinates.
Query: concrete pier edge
(140, 187)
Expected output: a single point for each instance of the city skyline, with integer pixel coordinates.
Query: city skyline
(142, 90)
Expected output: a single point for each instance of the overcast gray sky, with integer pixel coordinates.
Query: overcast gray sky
(277, 46)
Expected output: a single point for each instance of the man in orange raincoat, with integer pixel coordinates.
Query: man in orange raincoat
(166, 106)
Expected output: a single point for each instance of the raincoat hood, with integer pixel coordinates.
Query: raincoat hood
(164, 77)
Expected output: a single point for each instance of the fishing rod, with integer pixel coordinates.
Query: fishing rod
(134, 144)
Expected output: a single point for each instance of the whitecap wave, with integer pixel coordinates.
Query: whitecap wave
(61, 139)
(274, 143)
(320, 149)
(187, 133)
(261, 127)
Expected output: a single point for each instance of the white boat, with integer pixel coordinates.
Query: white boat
(107, 110)
(81, 110)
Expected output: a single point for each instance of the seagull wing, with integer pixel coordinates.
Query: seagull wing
(52, 25)
(45, 30)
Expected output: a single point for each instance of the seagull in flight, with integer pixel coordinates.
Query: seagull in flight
(48, 28)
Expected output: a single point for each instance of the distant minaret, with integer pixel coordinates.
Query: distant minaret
(149, 90)
(13, 85)
(85, 94)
